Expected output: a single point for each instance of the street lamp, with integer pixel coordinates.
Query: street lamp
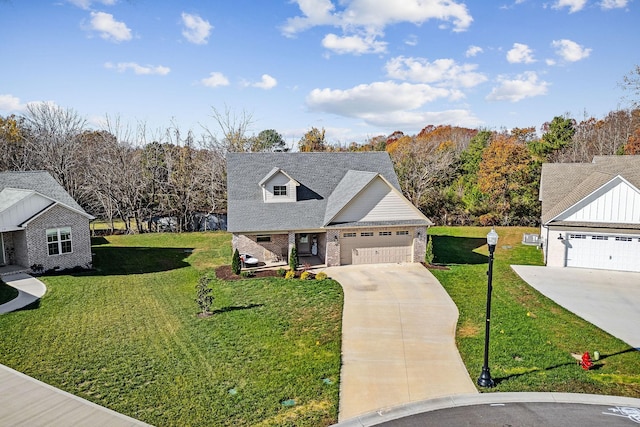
(485, 379)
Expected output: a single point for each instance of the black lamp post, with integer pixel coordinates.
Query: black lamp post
(485, 379)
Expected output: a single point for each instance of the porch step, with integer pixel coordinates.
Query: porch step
(13, 269)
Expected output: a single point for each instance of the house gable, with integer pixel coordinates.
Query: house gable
(278, 187)
(617, 201)
(20, 205)
(377, 201)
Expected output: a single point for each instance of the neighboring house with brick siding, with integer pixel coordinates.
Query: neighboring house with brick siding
(41, 226)
(344, 208)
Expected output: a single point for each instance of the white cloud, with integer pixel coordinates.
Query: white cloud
(473, 51)
(376, 15)
(570, 51)
(138, 69)
(523, 86)
(353, 44)
(196, 30)
(109, 28)
(520, 54)
(368, 100)
(412, 40)
(215, 79)
(613, 4)
(266, 83)
(86, 4)
(389, 104)
(444, 72)
(573, 5)
(11, 103)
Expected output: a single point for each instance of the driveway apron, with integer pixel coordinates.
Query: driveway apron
(398, 338)
(608, 299)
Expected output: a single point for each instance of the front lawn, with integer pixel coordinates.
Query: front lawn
(532, 338)
(128, 337)
(7, 293)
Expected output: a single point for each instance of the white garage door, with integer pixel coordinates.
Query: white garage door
(609, 252)
(374, 247)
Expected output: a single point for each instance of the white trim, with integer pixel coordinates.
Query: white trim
(59, 240)
(2, 256)
(590, 195)
(393, 189)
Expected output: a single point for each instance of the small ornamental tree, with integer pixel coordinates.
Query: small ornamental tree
(236, 266)
(204, 299)
(293, 259)
(428, 258)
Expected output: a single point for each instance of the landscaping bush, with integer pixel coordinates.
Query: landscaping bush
(293, 259)
(281, 272)
(290, 274)
(428, 258)
(236, 266)
(204, 299)
(321, 276)
(306, 275)
(247, 274)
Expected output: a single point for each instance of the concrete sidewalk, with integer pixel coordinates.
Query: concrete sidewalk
(29, 289)
(398, 338)
(25, 401)
(608, 299)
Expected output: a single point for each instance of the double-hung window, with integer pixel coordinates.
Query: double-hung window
(59, 240)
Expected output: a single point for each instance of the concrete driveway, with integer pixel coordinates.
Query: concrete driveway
(398, 338)
(608, 299)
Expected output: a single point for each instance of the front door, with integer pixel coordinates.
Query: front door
(304, 244)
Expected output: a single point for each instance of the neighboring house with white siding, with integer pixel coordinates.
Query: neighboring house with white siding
(345, 208)
(41, 226)
(591, 213)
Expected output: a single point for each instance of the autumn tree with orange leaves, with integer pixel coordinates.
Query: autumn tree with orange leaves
(505, 176)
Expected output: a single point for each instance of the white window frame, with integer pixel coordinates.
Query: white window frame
(59, 240)
(384, 233)
(402, 233)
(349, 234)
(280, 190)
(366, 234)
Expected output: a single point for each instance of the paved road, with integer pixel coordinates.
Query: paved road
(509, 409)
(398, 338)
(608, 299)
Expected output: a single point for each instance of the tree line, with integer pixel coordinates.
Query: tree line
(455, 175)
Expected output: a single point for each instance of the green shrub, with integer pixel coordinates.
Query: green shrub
(204, 299)
(428, 258)
(306, 275)
(236, 266)
(321, 276)
(281, 272)
(291, 274)
(293, 258)
(247, 273)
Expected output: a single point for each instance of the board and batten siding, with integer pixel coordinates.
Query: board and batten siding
(619, 204)
(377, 202)
(21, 211)
(279, 179)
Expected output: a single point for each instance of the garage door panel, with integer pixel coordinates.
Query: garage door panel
(376, 248)
(391, 254)
(609, 252)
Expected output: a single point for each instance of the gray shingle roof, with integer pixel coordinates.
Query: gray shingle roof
(319, 174)
(41, 182)
(562, 185)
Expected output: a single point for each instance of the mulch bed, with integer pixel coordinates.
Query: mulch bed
(435, 267)
(224, 272)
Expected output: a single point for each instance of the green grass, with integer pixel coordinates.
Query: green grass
(7, 293)
(532, 338)
(128, 337)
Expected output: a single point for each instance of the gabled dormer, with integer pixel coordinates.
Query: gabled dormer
(278, 187)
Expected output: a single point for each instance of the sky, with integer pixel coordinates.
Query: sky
(357, 68)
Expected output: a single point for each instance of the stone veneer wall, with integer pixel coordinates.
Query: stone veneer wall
(419, 244)
(36, 240)
(263, 251)
(333, 249)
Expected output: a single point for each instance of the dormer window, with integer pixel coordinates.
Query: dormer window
(279, 190)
